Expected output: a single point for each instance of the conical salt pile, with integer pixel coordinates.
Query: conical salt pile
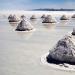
(73, 16)
(13, 18)
(43, 16)
(63, 52)
(64, 17)
(33, 17)
(49, 19)
(24, 26)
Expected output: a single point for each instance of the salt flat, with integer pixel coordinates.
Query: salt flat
(20, 53)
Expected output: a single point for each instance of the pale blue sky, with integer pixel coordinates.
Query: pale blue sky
(31, 4)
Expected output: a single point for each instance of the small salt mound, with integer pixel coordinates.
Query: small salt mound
(10, 16)
(23, 16)
(24, 25)
(64, 17)
(73, 16)
(43, 16)
(49, 19)
(73, 33)
(33, 17)
(13, 18)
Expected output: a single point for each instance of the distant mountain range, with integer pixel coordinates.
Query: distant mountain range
(46, 9)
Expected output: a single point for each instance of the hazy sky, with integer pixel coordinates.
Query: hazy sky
(31, 4)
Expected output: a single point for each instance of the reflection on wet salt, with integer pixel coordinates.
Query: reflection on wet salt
(33, 20)
(49, 26)
(63, 22)
(24, 35)
(13, 24)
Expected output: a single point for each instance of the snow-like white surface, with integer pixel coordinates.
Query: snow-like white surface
(21, 12)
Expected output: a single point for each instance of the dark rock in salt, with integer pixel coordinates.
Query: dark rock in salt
(63, 52)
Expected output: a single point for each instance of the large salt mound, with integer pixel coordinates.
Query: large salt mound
(63, 52)
(24, 26)
(49, 19)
